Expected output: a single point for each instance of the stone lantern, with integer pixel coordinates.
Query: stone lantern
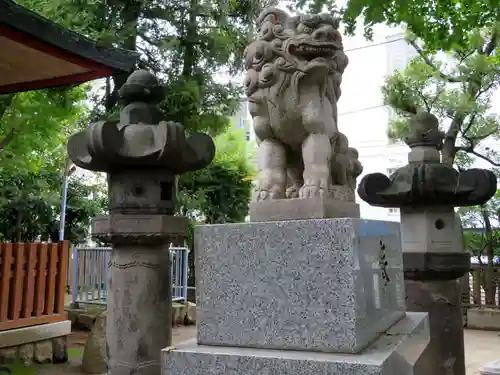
(142, 155)
(434, 258)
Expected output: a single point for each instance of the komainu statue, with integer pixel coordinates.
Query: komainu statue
(294, 71)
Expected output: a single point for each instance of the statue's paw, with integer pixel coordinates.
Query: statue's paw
(267, 193)
(261, 195)
(292, 192)
(316, 187)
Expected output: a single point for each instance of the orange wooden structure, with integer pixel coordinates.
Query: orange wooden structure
(32, 283)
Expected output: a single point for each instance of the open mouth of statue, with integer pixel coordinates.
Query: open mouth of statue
(312, 51)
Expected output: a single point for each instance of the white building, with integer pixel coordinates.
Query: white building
(243, 120)
(362, 115)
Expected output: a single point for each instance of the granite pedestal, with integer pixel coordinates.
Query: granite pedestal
(300, 297)
(394, 352)
(303, 285)
(337, 204)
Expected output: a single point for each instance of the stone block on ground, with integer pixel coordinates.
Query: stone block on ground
(178, 312)
(190, 317)
(73, 314)
(393, 353)
(93, 361)
(83, 318)
(329, 285)
(8, 355)
(85, 321)
(492, 368)
(60, 350)
(26, 353)
(483, 318)
(43, 352)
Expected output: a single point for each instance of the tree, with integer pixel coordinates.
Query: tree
(443, 25)
(482, 238)
(30, 205)
(34, 126)
(184, 42)
(221, 192)
(87, 199)
(25, 207)
(456, 87)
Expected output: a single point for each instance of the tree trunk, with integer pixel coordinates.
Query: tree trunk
(189, 41)
(130, 16)
(449, 149)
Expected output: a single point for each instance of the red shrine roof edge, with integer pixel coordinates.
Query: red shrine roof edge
(44, 54)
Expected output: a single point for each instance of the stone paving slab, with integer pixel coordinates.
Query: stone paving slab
(481, 347)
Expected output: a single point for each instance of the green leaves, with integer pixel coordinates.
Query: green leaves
(458, 88)
(443, 25)
(30, 205)
(36, 124)
(184, 42)
(220, 193)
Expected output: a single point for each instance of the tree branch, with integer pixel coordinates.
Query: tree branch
(471, 140)
(486, 88)
(470, 150)
(151, 63)
(429, 62)
(469, 125)
(427, 106)
(436, 97)
(490, 46)
(148, 40)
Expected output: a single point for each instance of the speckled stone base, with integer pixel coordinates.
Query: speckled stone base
(394, 353)
(302, 209)
(326, 285)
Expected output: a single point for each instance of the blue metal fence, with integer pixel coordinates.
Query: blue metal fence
(89, 274)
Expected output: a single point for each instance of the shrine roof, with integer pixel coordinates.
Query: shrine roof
(37, 53)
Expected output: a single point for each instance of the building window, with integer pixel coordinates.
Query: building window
(247, 136)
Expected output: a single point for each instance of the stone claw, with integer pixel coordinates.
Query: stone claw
(316, 187)
(292, 192)
(261, 195)
(266, 191)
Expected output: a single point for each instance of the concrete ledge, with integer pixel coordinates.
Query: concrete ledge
(482, 318)
(26, 335)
